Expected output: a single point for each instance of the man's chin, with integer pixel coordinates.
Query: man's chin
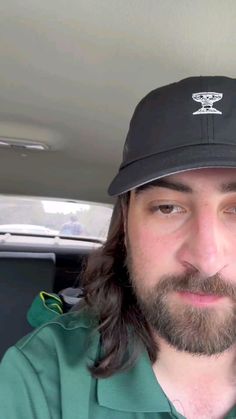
(195, 330)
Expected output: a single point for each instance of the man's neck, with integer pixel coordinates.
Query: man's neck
(193, 381)
(188, 368)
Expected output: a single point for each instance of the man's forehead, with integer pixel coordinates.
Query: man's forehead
(223, 179)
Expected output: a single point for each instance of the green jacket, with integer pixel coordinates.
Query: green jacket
(45, 376)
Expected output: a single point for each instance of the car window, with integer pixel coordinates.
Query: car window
(47, 217)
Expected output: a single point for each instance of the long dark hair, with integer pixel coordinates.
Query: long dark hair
(109, 295)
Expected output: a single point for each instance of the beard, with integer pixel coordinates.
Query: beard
(196, 330)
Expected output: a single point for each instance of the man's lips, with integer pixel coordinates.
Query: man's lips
(199, 299)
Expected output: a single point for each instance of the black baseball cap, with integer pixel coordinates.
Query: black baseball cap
(186, 125)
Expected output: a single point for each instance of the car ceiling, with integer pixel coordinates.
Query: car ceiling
(72, 72)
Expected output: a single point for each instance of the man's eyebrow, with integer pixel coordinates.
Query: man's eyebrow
(161, 183)
(181, 187)
(228, 187)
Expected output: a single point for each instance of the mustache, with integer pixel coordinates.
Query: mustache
(189, 282)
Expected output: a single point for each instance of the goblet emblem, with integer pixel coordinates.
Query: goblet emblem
(207, 99)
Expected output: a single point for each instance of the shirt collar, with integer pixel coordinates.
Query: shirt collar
(135, 390)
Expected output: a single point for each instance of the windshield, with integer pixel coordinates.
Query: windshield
(40, 216)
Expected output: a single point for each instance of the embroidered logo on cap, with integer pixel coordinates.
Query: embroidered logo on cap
(207, 99)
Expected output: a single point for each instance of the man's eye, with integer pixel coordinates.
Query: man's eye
(167, 209)
(231, 210)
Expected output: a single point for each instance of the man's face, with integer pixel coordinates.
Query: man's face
(181, 256)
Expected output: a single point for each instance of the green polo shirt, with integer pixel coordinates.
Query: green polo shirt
(45, 376)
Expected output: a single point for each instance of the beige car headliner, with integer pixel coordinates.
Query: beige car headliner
(72, 72)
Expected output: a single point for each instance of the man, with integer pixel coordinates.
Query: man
(72, 227)
(155, 336)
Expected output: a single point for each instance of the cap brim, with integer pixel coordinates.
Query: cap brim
(163, 164)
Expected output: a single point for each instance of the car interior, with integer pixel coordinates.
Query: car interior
(71, 75)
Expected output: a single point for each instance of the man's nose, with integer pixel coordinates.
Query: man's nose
(205, 246)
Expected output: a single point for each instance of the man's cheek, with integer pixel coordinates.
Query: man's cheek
(148, 249)
(150, 241)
